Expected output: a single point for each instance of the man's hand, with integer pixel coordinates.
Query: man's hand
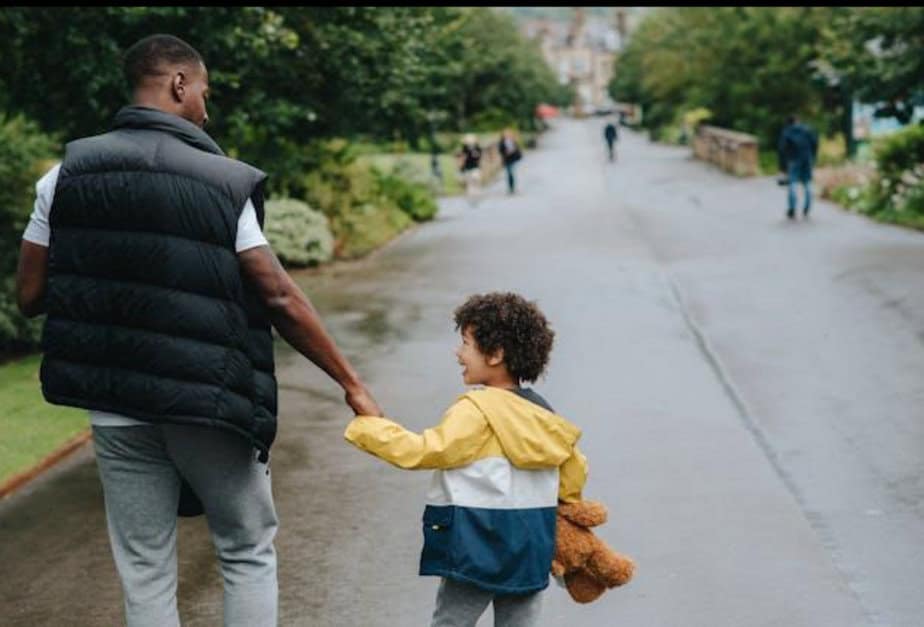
(360, 399)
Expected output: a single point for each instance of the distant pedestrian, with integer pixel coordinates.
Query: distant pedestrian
(436, 171)
(503, 460)
(797, 150)
(470, 164)
(610, 134)
(510, 153)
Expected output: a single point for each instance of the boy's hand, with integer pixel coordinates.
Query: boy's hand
(362, 402)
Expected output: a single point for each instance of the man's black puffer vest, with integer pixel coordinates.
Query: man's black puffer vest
(148, 315)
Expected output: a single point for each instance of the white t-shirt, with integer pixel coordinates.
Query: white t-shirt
(38, 231)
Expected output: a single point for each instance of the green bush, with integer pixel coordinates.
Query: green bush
(832, 150)
(668, 134)
(680, 129)
(768, 161)
(361, 216)
(25, 154)
(366, 205)
(299, 235)
(413, 198)
(367, 227)
(900, 165)
(491, 119)
(335, 189)
(856, 197)
(17, 333)
(896, 193)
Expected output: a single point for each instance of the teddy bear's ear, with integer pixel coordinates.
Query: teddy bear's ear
(584, 513)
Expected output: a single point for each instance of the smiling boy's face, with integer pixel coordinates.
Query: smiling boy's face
(476, 366)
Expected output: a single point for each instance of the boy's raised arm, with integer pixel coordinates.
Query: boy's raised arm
(454, 442)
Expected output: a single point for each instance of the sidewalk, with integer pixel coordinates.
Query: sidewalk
(748, 389)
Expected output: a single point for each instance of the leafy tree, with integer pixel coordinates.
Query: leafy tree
(499, 68)
(750, 66)
(256, 110)
(874, 55)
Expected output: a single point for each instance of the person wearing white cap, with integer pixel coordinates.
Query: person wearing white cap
(470, 165)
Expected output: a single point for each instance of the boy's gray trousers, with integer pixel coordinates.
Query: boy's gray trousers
(460, 605)
(138, 467)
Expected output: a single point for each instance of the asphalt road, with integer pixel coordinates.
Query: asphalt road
(750, 392)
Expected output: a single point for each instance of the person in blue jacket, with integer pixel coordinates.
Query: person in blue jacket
(503, 460)
(797, 149)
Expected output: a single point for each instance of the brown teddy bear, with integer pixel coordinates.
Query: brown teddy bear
(586, 563)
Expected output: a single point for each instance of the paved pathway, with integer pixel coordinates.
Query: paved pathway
(749, 389)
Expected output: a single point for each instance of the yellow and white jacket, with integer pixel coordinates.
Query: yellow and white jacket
(502, 464)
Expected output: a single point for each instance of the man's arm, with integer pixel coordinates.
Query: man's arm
(31, 274)
(32, 271)
(299, 324)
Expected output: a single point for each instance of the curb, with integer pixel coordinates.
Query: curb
(18, 480)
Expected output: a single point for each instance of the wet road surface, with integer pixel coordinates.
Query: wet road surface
(749, 391)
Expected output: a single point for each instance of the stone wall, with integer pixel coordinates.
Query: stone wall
(730, 150)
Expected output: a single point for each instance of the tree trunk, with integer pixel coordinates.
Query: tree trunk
(847, 124)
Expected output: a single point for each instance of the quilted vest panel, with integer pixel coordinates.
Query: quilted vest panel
(148, 315)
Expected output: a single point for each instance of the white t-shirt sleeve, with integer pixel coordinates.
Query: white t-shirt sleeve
(249, 234)
(38, 231)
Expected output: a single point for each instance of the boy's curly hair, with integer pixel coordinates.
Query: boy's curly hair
(507, 320)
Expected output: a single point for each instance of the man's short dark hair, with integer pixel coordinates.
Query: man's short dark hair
(506, 320)
(153, 54)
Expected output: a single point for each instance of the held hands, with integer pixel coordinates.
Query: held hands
(361, 401)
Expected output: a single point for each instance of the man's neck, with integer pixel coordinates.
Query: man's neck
(153, 100)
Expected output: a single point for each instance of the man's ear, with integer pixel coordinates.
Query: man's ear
(178, 86)
(496, 358)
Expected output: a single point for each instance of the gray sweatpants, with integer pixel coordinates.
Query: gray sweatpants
(461, 605)
(139, 467)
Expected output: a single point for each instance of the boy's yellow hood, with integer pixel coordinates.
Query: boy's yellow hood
(531, 436)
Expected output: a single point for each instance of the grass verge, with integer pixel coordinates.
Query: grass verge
(30, 428)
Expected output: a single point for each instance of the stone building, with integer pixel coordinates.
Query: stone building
(582, 51)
